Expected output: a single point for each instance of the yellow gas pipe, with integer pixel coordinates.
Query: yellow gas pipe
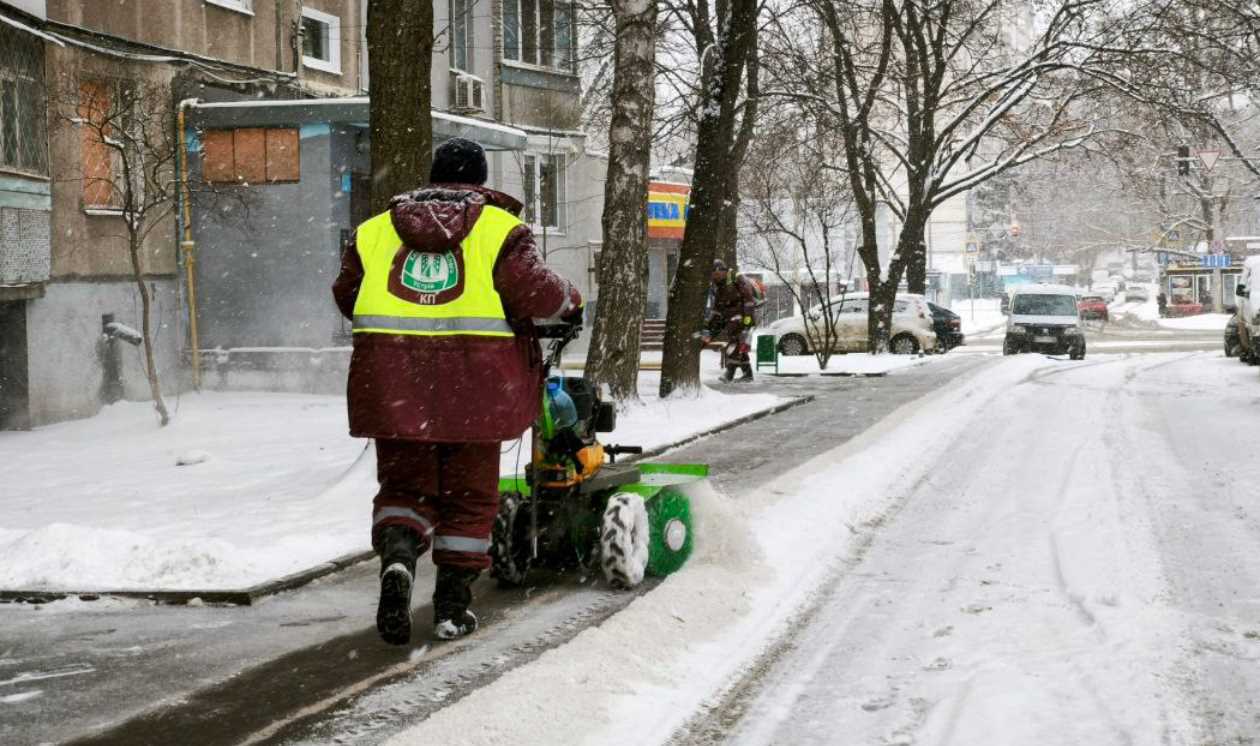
(188, 246)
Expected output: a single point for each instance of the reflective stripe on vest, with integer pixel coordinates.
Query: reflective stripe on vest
(476, 311)
(393, 325)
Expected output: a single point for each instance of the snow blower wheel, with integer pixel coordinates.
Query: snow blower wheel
(510, 553)
(623, 541)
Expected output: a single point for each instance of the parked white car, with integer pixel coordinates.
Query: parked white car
(912, 330)
(1134, 293)
(1248, 312)
(1107, 290)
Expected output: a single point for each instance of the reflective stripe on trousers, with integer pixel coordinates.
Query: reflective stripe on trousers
(460, 544)
(436, 325)
(404, 513)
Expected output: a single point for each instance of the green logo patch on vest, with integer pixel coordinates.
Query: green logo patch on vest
(430, 273)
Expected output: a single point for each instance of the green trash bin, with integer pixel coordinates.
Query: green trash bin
(768, 352)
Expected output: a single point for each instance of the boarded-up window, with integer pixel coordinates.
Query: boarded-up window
(98, 158)
(282, 155)
(251, 155)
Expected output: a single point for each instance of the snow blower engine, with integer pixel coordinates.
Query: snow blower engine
(575, 505)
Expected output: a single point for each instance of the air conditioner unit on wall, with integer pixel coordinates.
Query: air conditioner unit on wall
(469, 93)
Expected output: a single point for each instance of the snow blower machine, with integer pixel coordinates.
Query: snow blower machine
(576, 505)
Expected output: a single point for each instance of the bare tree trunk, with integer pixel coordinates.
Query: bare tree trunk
(400, 47)
(916, 262)
(715, 135)
(146, 331)
(614, 353)
(728, 225)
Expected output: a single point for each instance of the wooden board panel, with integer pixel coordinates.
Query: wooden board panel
(218, 164)
(251, 155)
(283, 155)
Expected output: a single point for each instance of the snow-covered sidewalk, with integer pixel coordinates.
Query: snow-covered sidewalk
(274, 486)
(1148, 311)
(980, 316)
(1206, 322)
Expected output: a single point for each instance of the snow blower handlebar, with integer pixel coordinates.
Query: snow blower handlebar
(614, 451)
(560, 334)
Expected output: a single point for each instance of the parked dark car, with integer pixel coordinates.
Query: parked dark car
(948, 327)
(1232, 344)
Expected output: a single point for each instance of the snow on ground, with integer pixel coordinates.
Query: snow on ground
(1214, 322)
(641, 674)
(1148, 311)
(273, 485)
(852, 364)
(1061, 626)
(979, 316)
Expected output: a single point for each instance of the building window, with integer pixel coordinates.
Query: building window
(101, 163)
(240, 6)
(543, 181)
(461, 29)
(251, 155)
(23, 134)
(321, 41)
(539, 32)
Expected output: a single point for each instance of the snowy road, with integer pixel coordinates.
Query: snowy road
(1081, 567)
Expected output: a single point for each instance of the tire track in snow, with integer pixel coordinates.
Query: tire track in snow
(1059, 664)
(1222, 690)
(715, 722)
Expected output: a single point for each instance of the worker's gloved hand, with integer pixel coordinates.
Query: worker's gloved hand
(566, 444)
(705, 339)
(748, 321)
(575, 316)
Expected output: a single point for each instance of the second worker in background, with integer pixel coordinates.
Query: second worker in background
(733, 316)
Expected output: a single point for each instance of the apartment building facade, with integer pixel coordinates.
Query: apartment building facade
(25, 204)
(265, 318)
(65, 268)
(504, 73)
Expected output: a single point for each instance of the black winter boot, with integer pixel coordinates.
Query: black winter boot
(729, 374)
(398, 547)
(451, 596)
(746, 373)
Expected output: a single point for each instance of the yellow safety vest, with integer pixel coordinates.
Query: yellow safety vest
(477, 311)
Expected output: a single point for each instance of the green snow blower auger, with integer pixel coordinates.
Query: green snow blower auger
(576, 506)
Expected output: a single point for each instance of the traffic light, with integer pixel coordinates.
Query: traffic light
(1183, 160)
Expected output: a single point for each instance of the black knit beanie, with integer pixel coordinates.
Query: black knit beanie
(459, 161)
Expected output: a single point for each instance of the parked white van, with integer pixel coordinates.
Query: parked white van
(1248, 312)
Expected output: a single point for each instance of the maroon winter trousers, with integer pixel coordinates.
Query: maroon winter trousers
(447, 493)
(737, 343)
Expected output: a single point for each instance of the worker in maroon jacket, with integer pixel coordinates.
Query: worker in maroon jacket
(442, 290)
(733, 316)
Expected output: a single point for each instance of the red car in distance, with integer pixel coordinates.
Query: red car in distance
(1092, 307)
